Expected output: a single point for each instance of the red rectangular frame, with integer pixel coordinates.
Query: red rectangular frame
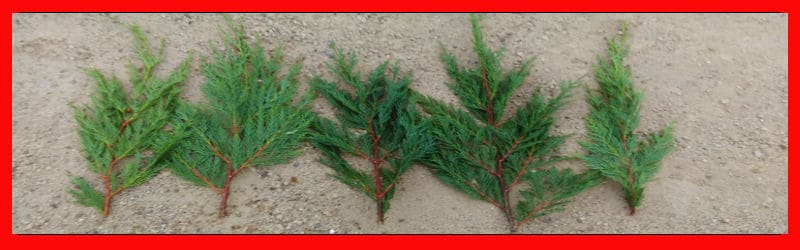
(118, 242)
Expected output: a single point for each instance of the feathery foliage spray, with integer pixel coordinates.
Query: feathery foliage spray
(250, 119)
(613, 148)
(377, 122)
(123, 134)
(485, 157)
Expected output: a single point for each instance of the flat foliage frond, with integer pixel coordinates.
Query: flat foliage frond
(122, 133)
(484, 157)
(250, 119)
(377, 122)
(613, 148)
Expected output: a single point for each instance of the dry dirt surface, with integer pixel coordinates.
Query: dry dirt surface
(722, 78)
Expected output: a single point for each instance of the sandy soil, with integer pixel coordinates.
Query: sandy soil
(721, 77)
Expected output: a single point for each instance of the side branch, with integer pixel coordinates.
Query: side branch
(247, 162)
(490, 106)
(531, 214)
(486, 197)
(219, 154)
(511, 149)
(124, 125)
(482, 164)
(386, 189)
(204, 179)
(523, 169)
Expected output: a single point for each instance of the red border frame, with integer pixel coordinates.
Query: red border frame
(389, 241)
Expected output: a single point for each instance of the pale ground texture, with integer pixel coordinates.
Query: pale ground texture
(722, 78)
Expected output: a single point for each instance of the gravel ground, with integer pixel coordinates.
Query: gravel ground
(721, 77)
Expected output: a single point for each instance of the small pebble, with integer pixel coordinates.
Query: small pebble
(758, 154)
(332, 231)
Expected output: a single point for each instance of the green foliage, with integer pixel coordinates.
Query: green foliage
(485, 159)
(378, 122)
(549, 190)
(250, 119)
(123, 134)
(613, 148)
(86, 195)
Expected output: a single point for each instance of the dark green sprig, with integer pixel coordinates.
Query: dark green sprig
(377, 122)
(486, 159)
(250, 119)
(123, 134)
(613, 148)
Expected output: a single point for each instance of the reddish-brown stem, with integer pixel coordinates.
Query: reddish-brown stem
(511, 149)
(205, 180)
(361, 154)
(124, 125)
(107, 177)
(219, 154)
(231, 173)
(107, 184)
(386, 190)
(223, 205)
(376, 161)
(528, 216)
(522, 170)
(631, 196)
(229, 176)
(500, 159)
(490, 108)
(506, 190)
(480, 163)
(486, 197)
(116, 192)
(107, 200)
(506, 155)
(247, 162)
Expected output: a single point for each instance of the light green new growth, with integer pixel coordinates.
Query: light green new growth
(378, 123)
(123, 134)
(250, 119)
(487, 158)
(613, 148)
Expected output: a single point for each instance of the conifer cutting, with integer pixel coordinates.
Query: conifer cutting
(123, 133)
(485, 156)
(377, 122)
(613, 148)
(250, 119)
